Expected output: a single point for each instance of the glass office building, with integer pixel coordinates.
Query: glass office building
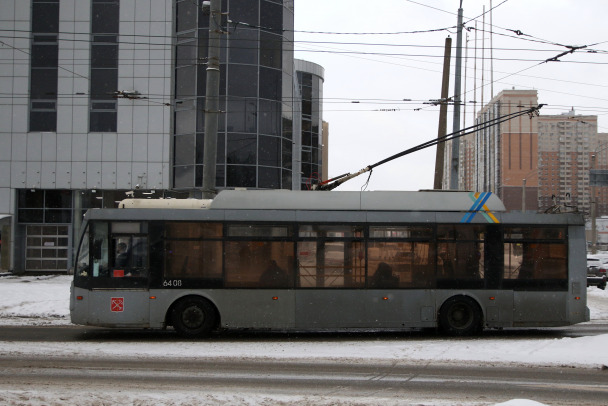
(255, 135)
(109, 101)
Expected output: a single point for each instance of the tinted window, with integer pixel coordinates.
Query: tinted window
(200, 148)
(183, 176)
(270, 50)
(270, 117)
(401, 264)
(270, 84)
(185, 82)
(241, 149)
(186, 15)
(286, 178)
(243, 80)
(184, 149)
(269, 151)
(242, 115)
(105, 18)
(184, 121)
(44, 55)
(58, 199)
(329, 231)
(103, 83)
(286, 153)
(271, 16)
(244, 11)
(104, 56)
(249, 230)
(186, 54)
(264, 264)
(269, 177)
(331, 264)
(193, 230)
(240, 176)
(44, 83)
(410, 232)
(45, 17)
(244, 46)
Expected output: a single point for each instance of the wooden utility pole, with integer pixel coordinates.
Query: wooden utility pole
(443, 113)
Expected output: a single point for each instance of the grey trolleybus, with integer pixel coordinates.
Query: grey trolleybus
(300, 260)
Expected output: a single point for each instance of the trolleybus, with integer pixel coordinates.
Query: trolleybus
(300, 260)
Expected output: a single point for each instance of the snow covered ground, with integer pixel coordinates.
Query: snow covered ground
(42, 301)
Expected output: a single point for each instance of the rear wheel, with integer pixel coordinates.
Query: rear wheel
(193, 317)
(460, 316)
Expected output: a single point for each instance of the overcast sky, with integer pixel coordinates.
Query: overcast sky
(362, 134)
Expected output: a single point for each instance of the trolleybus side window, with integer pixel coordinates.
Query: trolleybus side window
(259, 256)
(193, 251)
(331, 256)
(535, 258)
(401, 257)
(460, 253)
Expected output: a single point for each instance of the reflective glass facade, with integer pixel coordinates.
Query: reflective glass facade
(255, 136)
(311, 91)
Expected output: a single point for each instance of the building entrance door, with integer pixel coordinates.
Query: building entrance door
(47, 247)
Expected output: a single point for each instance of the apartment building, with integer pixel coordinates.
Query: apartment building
(534, 163)
(500, 157)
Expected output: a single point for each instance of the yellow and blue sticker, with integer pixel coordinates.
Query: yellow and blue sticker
(479, 206)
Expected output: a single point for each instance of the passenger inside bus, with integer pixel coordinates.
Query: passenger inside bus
(447, 266)
(383, 277)
(122, 257)
(274, 276)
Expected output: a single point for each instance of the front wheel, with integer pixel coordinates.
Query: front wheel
(193, 317)
(460, 316)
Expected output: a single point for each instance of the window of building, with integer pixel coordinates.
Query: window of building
(44, 67)
(104, 66)
(44, 206)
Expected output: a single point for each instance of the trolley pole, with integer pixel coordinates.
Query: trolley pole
(212, 100)
(457, 98)
(443, 113)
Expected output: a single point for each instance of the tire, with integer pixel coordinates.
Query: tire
(460, 316)
(193, 317)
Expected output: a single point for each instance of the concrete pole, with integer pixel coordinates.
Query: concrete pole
(457, 100)
(212, 100)
(593, 213)
(443, 113)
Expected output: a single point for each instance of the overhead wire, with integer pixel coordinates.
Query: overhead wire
(351, 44)
(333, 183)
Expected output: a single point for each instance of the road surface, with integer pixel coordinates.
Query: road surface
(217, 380)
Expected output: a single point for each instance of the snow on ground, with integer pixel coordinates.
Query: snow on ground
(42, 301)
(35, 301)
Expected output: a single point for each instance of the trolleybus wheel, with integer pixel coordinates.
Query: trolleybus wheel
(460, 316)
(193, 317)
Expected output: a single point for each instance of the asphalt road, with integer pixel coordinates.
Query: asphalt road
(554, 386)
(320, 382)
